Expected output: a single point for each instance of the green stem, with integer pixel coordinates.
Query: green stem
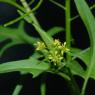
(43, 88)
(74, 87)
(26, 14)
(58, 4)
(31, 2)
(86, 79)
(68, 26)
(24, 3)
(17, 90)
(43, 84)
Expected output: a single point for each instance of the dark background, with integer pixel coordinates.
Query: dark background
(48, 15)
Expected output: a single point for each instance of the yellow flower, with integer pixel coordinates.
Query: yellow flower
(55, 57)
(57, 42)
(40, 45)
(64, 48)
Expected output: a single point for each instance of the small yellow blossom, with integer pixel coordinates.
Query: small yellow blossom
(64, 48)
(40, 46)
(55, 57)
(57, 42)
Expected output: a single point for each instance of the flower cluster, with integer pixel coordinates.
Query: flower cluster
(56, 52)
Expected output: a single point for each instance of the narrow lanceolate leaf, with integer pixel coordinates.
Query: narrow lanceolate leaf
(55, 30)
(29, 66)
(89, 22)
(46, 38)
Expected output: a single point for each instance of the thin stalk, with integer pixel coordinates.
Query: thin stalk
(17, 90)
(43, 88)
(86, 79)
(74, 87)
(75, 17)
(73, 83)
(43, 84)
(31, 2)
(93, 6)
(84, 87)
(26, 6)
(26, 14)
(58, 4)
(68, 26)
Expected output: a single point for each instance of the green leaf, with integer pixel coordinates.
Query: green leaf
(17, 90)
(9, 33)
(46, 38)
(89, 22)
(37, 55)
(13, 43)
(17, 36)
(29, 66)
(85, 57)
(6, 33)
(23, 35)
(55, 30)
(76, 69)
(31, 19)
